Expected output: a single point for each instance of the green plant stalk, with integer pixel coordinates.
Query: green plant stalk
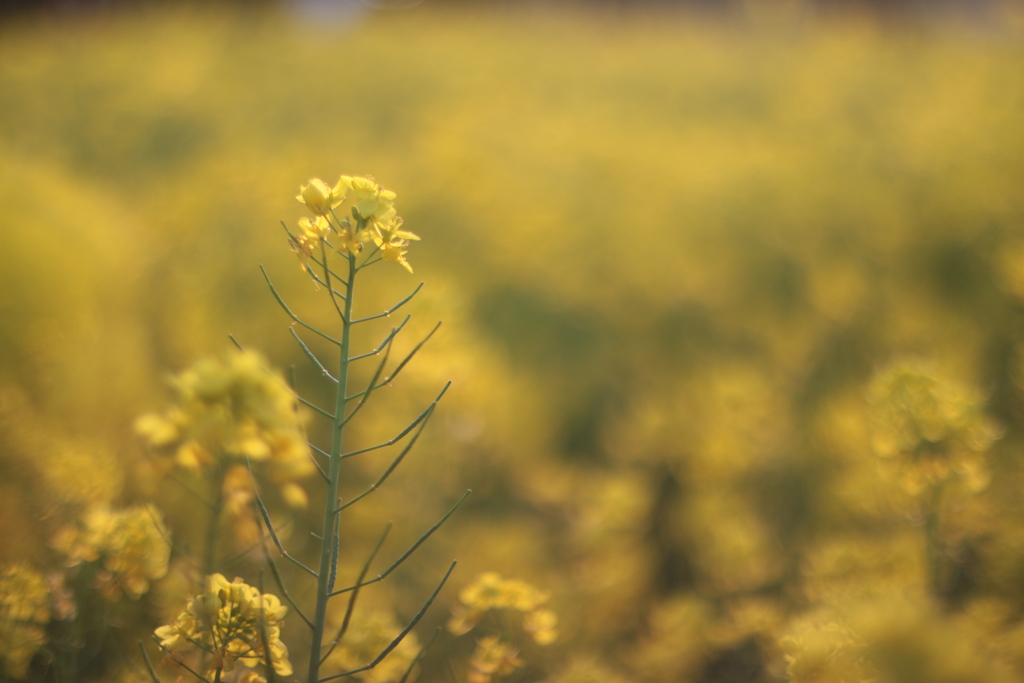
(328, 535)
(213, 529)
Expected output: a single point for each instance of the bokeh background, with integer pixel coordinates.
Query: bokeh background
(732, 304)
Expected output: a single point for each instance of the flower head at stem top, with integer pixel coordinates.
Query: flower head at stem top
(374, 221)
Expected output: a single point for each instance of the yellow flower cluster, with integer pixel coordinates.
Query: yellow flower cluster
(373, 209)
(370, 632)
(233, 408)
(490, 591)
(131, 545)
(929, 430)
(232, 621)
(24, 613)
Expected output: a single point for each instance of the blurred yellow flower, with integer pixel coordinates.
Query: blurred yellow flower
(492, 659)
(231, 409)
(132, 547)
(929, 429)
(24, 613)
(541, 623)
(491, 591)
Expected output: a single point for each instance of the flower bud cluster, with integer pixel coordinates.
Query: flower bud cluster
(24, 613)
(373, 210)
(131, 546)
(233, 408)
(232, 621)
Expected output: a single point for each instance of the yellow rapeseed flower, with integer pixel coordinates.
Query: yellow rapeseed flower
(396, 254)
(319, 198)
(232, 621)
(370, 200)
(311, 232)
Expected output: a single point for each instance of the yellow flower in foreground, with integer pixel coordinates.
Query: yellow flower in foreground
(232, 621)
(320, 198)
(371, 201)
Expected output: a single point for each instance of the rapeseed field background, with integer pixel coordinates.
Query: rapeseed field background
(733, 313)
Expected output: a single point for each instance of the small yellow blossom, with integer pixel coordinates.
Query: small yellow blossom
(391, 252)
(391, 231)
(370, 200)
(312, 231)
(392, 240)
(350, 240)
(320, 198)
(541, 625)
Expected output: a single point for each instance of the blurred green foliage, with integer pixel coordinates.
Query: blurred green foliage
(675, 259)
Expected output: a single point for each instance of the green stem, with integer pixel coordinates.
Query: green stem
(210, 551)
(329, 532)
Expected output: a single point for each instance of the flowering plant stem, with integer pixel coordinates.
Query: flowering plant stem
(329, 535)
(377, 227)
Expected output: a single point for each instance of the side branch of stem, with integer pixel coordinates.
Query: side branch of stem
(392, 309)
(289, 311)
(394, 565)
(412, 425)
(401, 636)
